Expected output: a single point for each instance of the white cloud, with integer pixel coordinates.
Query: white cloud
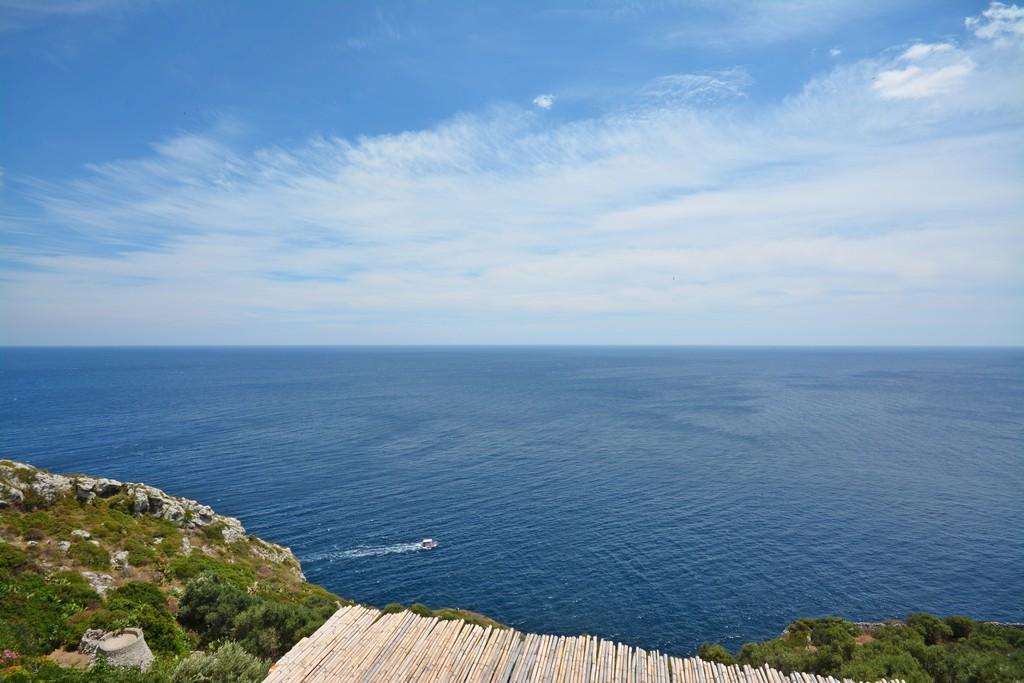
(704, 88)
(915, 82)
(755, 22)
(16, 15)
(544, 101)
(921, 51)
(835, 52)
(804, 222)
(927, 70)
(1000, 22)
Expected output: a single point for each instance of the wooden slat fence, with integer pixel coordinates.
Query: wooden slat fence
(361, 645)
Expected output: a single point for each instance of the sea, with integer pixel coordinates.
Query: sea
(662, 497)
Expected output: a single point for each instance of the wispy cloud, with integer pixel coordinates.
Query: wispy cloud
(702, 88)
(925, 70)
(20, 14)
(1000, 22)
(800, 222)
(753, 22)
(544, 101)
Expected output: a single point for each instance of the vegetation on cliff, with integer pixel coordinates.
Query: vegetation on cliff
(78, 552)
(922, 649)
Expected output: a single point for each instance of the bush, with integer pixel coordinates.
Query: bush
(89, 554)
(981, 653)
(34, 534)
(960, 627)
(832, 631)
(393, 608)
(715, 653)
(269, 629)
(210, 606)
(931, 628)
(421, 609)
(138, 604)
(229, 664)
(265, 626)
(45, 671)
(137, 593)
(188, 567)
(34, 610)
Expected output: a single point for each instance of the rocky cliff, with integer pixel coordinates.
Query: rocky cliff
(81, 501)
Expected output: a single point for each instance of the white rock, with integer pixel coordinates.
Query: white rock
(49, 486)
(98, 582)
(119, 560)
(140, 505)
(81, 533)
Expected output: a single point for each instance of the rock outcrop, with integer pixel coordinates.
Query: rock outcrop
(23, 485)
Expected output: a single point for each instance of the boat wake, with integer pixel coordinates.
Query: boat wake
(364, 551)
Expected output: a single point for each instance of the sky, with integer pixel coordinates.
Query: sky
(691, 172)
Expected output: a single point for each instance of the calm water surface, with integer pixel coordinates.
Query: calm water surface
(657, 496)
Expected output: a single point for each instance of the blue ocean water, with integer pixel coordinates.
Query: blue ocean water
(658, 496)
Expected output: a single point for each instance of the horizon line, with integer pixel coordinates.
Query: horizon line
(510, 346)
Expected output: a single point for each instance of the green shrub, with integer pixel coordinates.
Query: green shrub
(876, 662)
(960, 627)
(265, 626)
(34, 609)
(229, 664)
(140, 554)
(13, 559)
(188, 567)
(421, 609)
(393, 608)
(137, 593)
(141, 605)
(163, 634)
(961, 651)
(715, 653)
(90, 555)
(214, 532)
(210, 606)
(269, 629)
(931, 628)
(832, 631)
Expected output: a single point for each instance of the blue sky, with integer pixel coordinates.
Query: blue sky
(690, 172)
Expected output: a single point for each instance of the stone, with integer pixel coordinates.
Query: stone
(98, 582)
(140, 504)
(64, 546)
(49, 486)
(186, 545)
(105, 488)
(10, 496)
(155, 503)
(119, 560)
(91, 641)
(233, 530)
(81, 533)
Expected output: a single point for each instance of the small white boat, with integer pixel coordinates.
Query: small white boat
(428, 544)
